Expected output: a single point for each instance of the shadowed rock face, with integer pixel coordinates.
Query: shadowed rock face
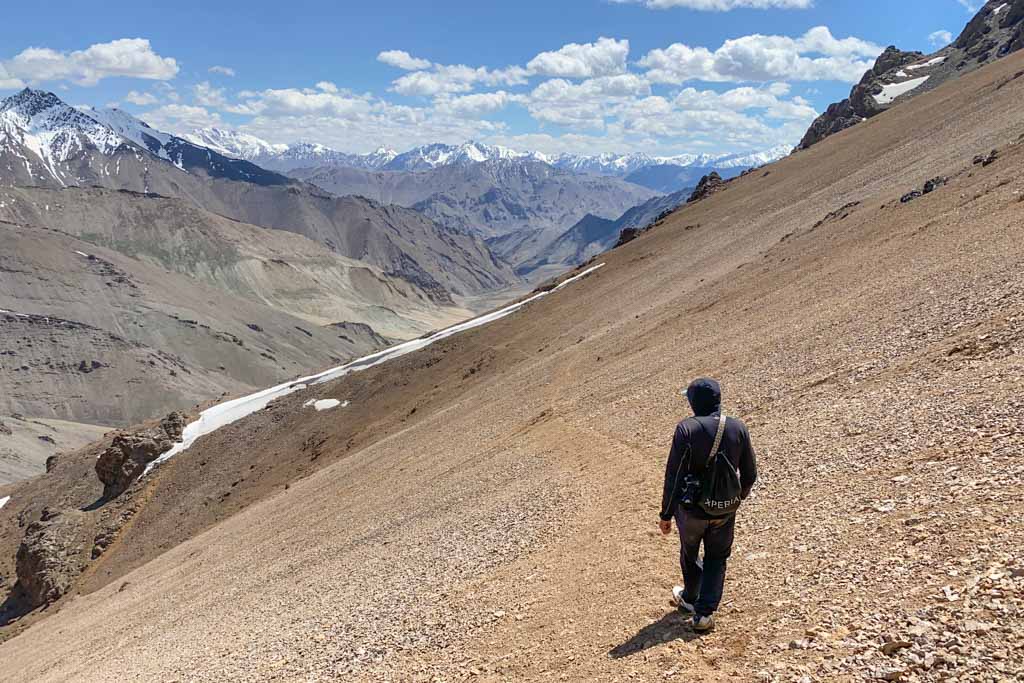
(50, 556)
(995, 31)
(860, 104)
(127, 457)
(708, 185)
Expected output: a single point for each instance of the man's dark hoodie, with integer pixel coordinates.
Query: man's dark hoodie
(691, 446)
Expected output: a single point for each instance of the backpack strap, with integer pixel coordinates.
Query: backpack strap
(718, 438)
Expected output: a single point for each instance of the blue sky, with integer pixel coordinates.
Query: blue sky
(662, 76)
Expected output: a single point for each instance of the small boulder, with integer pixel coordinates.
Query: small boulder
(51, 463)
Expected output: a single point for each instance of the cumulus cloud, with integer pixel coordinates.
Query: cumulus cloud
(606, 57)
(400, 59)
(589, 103)
(143, 99)
(724, 5)
(457, 78)
(208, 96)
(327, 86)
(300, 102)
(9, 82)
(181, 118)
(768, 99)
(940, 38)
(815, 56)
(222, 70)
(382, 123)
(127, 57)
(972, 6)
(476, 104)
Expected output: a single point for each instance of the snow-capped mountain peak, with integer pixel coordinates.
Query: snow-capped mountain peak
(428, 157)
(42, 124)
(128, 127)
(58, 143)
(233, 143)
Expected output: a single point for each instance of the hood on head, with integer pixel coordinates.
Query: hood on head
(705, 396)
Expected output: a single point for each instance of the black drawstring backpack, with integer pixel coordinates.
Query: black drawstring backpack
(720, 488)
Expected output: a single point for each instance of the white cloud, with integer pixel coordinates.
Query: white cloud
(815, 56)
(208, 96)
(296, 102)
(476, 104)
(222, 70)
(143, 99)
(167, 90)
(940, 38)
(606, 57)
(589, 103)
(747, 98)
(401, 59)
(383, 123)
(127, 57)
(457, 78)
(8, 82)
(724, 5)
(181, 118)
(972, 6)
(327, 86)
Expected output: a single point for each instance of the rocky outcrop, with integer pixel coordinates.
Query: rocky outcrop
(126, 458)
(995, 31)
(708, 185)
(50, 557)
(861, 104)
(627, 236)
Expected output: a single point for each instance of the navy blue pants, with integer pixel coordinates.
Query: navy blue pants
(703, 584)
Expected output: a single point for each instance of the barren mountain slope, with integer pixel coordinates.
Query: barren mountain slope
(505, 528)
(26, 443)
(493, 198)
(90, 335)
(46, 143)
(285, 271)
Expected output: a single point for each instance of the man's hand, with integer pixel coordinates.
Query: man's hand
(665, 525)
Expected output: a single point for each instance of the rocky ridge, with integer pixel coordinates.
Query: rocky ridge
(996, 31)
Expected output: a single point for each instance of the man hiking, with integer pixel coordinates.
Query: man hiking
(711, 469)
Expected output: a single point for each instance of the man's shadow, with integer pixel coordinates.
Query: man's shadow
(673, 626)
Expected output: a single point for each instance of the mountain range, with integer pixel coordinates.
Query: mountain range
(635, 167)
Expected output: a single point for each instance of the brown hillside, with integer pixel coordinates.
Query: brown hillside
(485, 509)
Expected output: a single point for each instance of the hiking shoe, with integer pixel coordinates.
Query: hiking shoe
(703, 623)
(679, 600)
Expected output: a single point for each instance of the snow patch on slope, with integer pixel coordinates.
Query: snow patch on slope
(925, 65)
(224, 414)
(893, 90)
(325, 404)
